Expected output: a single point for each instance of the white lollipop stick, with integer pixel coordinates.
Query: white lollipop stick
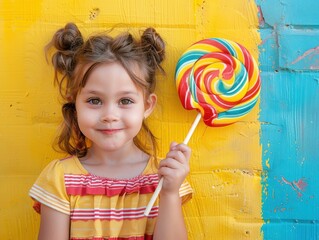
(160, 183)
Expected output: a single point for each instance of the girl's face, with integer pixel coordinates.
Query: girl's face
(111, 108)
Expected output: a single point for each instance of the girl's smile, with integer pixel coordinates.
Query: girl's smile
(109, 131)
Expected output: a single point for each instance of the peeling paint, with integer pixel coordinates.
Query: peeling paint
(261, 18)
(309, 54)
(297, 186)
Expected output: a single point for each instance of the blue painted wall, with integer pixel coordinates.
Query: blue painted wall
(289, 116)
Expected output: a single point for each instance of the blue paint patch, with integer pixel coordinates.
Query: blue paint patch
(289, 137)
(289, 116)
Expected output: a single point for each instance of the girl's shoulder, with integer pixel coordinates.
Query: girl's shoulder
(70, 164)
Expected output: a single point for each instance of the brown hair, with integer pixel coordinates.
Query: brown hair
(74, 59)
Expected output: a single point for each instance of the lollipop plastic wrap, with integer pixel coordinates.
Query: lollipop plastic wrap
(220, 79)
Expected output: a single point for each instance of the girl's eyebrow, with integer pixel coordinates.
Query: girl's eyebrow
(95, 92)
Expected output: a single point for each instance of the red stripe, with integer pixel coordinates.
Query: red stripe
(37, 206)
(145, 237)
(247, 61)
(87, 190)
(183, 90)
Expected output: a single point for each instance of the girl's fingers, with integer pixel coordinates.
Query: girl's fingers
(173, 165)
(165, 171)
(172, 172)
(170, 163)
(184, 149)
(172, 145)
(174, 168)
(177, 156)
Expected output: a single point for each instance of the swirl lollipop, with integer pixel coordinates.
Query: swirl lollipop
(220, 79)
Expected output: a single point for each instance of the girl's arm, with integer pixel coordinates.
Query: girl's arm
(54, 225)
(170, 223)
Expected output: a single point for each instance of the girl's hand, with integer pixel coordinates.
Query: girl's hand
(174, 168)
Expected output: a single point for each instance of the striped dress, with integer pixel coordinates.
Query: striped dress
(99, 207)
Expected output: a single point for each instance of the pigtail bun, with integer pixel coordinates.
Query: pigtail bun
(154, 48)
(67, 41)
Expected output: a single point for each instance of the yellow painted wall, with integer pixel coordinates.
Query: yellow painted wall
(226, 162)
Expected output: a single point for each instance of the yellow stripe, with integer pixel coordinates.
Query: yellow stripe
(101, 228)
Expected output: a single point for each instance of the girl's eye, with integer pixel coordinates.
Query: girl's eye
(125, 101)
(95, 101)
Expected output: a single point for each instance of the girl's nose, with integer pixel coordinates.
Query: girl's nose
(109, 114)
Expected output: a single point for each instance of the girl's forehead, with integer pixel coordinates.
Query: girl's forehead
(112, 77)
(115, 70)
(128, 68)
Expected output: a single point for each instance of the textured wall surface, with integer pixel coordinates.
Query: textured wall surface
(255, 179)
(289, 59)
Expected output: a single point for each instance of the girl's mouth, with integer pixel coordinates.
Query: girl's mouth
(109, 131)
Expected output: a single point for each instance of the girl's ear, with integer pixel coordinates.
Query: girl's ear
(150, 104)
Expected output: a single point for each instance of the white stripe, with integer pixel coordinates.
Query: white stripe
(49, 199)
(111, 214)
(185, 189)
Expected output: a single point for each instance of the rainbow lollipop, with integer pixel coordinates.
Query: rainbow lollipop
(220, 79)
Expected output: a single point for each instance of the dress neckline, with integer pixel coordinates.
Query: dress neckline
(86, 172)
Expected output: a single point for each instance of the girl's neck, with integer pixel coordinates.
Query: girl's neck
(123, 155)
(124, 163)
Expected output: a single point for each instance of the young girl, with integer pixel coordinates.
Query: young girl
(101, 189)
